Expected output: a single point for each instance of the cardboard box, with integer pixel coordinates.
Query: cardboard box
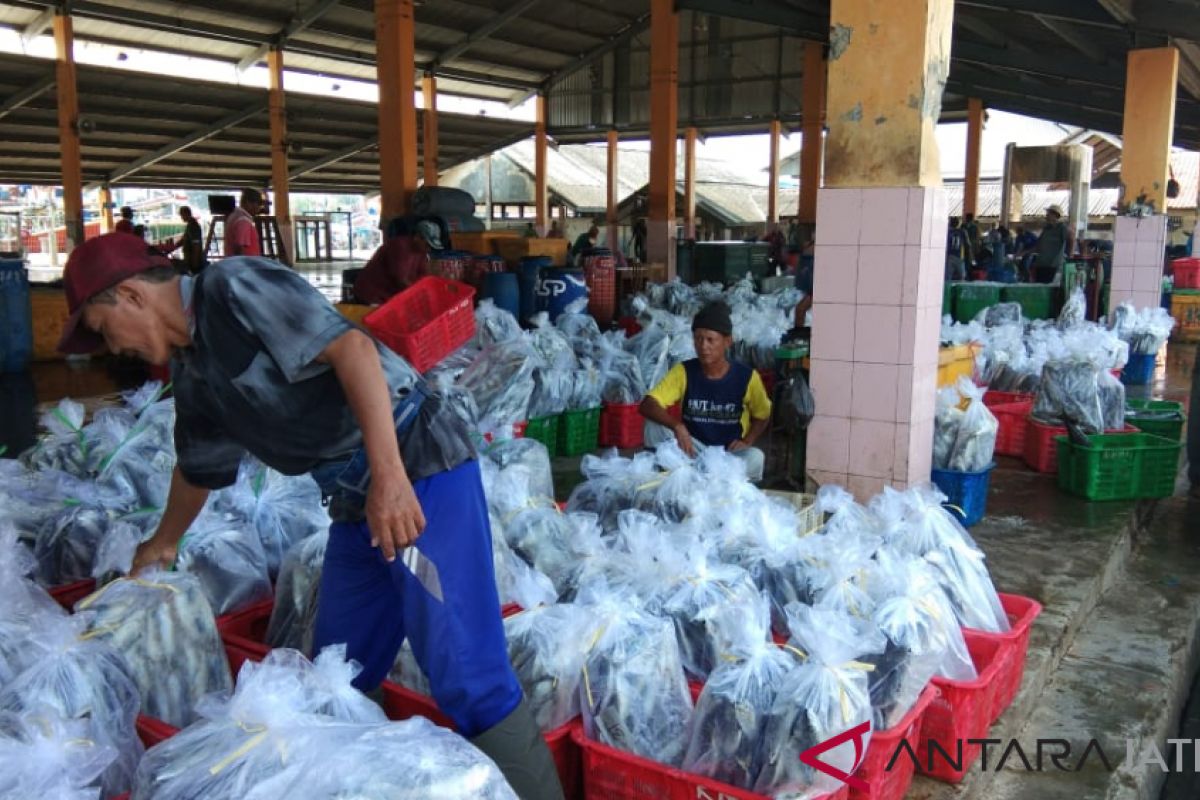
(512, 250)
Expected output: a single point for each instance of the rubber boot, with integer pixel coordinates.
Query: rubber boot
(517, 747)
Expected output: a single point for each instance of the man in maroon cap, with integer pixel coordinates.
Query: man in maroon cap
(262, 363)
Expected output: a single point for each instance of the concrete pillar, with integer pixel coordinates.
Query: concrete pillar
(281, 202)
(106, 210)
(612, 192)
(813, 121)
(395, 67)
(689, 184)
(773, 176)
(881, 236)
(974, 146)
(664, 116)
(429, 145)
(68, 129)
(541, 196)
(1139, 243)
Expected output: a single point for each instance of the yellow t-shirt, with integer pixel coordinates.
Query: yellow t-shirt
(755, 405)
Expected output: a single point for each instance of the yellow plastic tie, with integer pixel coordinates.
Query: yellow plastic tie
(260, 735)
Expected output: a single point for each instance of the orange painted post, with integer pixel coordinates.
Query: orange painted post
(106, 210)
(1150, 87)
(974, 146)
(395, 66)
(773, 177)
(429, 146)
(813, 122)
(664, 123)
(68, 129)
(689, 184)
(280, 188)
(541, 196)
(612, 191)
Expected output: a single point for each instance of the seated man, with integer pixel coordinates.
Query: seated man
(399, 262)
(724, 402)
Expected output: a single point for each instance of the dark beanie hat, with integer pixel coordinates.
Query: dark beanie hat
(714, 317)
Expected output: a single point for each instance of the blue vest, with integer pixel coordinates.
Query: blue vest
(712, 410)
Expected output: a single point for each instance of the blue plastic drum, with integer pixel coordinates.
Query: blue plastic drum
(502, 289)
(558, 288)
(528, 272)
(16, 316)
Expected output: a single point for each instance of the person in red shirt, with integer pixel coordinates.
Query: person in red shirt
(125, 223)
(241, 234)
(398, 263)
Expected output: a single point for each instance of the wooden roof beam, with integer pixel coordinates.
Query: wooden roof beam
(27, 94)
(298, 23)
(481, 33)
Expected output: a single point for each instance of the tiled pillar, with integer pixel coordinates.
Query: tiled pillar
(880, 261)
(1139, 246)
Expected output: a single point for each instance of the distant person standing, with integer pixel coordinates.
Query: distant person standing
(1053, 246)
(639, 240)
(530, 232)
(584, 244)
(241, 232)
(125, 223)
(555, 231)
(192, 241)
(958, 252)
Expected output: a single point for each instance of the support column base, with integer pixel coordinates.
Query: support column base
(1139, 252)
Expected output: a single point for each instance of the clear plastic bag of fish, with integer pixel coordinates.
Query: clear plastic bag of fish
(1069, 395)
(409, 760)
(587, 386)
(704, 597)
(1074, 311)
(826, 694)
(1112, 400)
(46, 755)
(1000, 314)
(501, 381)
(459, 400)
(64, 446)
(280, 714)
(139, 464)
(68, 542)
(225, 554)
(622, 372)
(611, 485)
(550, 343)
(494, 325)
(553, 542)
(164, 627)
(529, 454)
(923, 639)
(296, 593)
(731, 712)
(516, 580)
(919, 526)
(86, 680)
(974, 432)
(552, 392)
(634, 695)
(580, 329)
(547, 646)
(24, 605)
(651, 348)
(284, 509)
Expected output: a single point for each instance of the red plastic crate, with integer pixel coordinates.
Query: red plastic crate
(1014, 427)
(621, 425)
(68, 594)
(630, 326)
(427, 321)
(152, 731)
(1187, 273)
(601, 279)
(892, 784)
(994, 398)
(611, 774)
(962, 711)
(1041, 451)
(1021, 611)
(244, 634)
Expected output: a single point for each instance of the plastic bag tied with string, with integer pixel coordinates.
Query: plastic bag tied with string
(47, 755)
(295, 610)
(229, 561)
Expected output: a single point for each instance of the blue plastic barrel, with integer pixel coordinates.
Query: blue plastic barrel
(558, 288)
(966, 492)
(16, 317)
(528, 271)
(1138, 370)
(502, 289)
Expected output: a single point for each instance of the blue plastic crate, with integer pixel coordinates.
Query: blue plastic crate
(1138, 370)
(967, 492)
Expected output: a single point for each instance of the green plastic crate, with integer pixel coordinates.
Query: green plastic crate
(545, 430)
(1168, 421)
(948, 297)
(579, 432)
(1036, 300)
(1126, 466)
(971, 298)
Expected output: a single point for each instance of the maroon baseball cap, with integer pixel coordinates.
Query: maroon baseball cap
(96, 265)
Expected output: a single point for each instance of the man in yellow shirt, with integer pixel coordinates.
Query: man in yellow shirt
(724, 402)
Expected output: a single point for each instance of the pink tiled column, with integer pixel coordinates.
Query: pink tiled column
(1138, 247)
(880, 262)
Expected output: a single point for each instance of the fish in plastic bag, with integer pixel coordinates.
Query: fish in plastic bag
(48, 756)
(732, 710)
(826, 694)
(634, 694)
(494, 325)
(228, 559)
(547, 646)
(975, 439)
(82, 679)
(296, 593)
(164, 627)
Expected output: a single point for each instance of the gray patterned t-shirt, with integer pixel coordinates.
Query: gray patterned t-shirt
(249, 382)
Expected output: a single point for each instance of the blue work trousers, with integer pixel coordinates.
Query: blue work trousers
(372, 605)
